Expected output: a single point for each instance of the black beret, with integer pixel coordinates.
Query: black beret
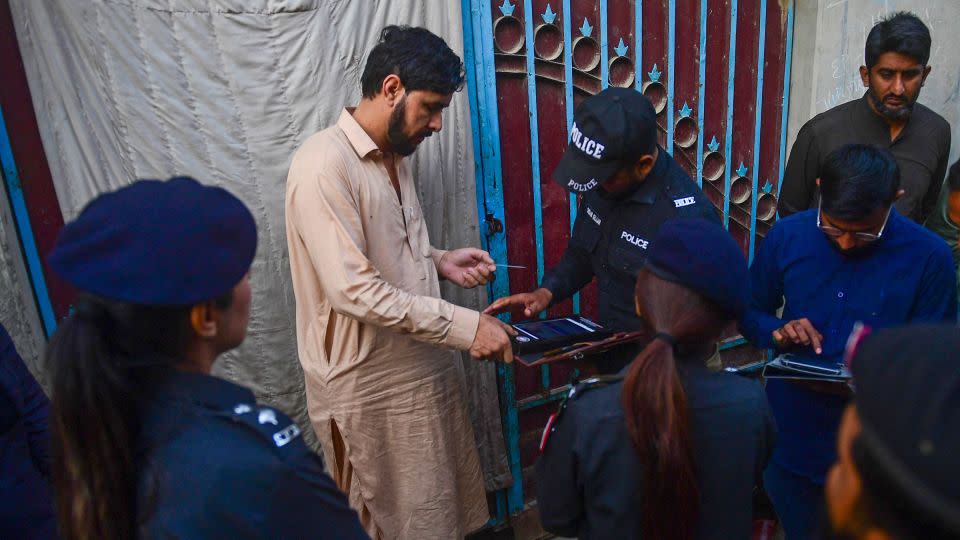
(908, 400)
(174, 242)
(703, 257)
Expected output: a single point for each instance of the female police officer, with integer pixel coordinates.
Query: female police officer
(668, 449)
(146, 442)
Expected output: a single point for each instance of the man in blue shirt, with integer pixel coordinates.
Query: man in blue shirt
(853, 258)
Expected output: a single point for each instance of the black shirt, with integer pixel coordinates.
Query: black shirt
(611, 237)
(216, 465)
(26, 502)
(921, 149)
(589, 478)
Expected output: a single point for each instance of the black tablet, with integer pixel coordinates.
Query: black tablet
(546, 334)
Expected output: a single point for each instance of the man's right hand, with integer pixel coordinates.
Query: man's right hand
(798, 332)
(493, 340)
(531, 302)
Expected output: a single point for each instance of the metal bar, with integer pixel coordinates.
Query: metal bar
(728, 143)
(732, 342)
(671, 71)
(485, 85)
(28, 244)
(534, 136)
(638, 43)
(532, 402)
(785, 110)
(702, 89)
(568, 102)
(604, 47)
(471, 62)
(756, 128)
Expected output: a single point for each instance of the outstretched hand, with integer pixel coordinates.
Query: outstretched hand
(467, 267)
(531, 302)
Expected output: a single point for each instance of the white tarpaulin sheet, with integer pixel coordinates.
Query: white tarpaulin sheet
(225, 91)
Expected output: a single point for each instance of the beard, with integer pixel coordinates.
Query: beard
(400, 142)
(899, 113)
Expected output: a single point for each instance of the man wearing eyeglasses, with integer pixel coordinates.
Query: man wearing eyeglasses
(852, 258)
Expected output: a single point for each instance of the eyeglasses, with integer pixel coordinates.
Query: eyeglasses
(834, 232)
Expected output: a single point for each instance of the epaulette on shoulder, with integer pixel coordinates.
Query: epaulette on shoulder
(272, 424)
(597, 381)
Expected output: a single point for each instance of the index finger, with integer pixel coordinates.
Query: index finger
(485, 257)
(816, 339)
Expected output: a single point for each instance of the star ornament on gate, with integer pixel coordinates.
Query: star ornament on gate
(685, 111)
(742, 170)
(713, 146)
(654, 74)
(621, 48)
(549, 16)
(585, 28)
(507, 8)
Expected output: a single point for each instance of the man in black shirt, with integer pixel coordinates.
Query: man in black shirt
(887, 116)
(629, 187)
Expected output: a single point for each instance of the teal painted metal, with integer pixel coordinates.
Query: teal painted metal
(756, 129)
(701, 89)
(28, 244)
(785, 110)
(604, 46)
(671, 72)
(728, 143)
(534, 136)
(568, 100)
(638, 43)
(478, 48)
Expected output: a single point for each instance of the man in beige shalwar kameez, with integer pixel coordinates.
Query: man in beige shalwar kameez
(375, 340)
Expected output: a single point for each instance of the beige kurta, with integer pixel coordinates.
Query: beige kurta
(375, 341)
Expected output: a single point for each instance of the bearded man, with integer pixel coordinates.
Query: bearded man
(887, 116)
(375, 339)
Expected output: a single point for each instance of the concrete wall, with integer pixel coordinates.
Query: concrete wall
(18, 311)
(829, 36)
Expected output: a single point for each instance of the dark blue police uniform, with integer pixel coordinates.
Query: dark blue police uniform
(589, 478)
(610, 241)
(26, 506)
(217, 465)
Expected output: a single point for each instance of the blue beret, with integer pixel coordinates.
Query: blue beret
(703, 257)
(176, 242)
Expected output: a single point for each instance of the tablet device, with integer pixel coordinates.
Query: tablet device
(547, 334)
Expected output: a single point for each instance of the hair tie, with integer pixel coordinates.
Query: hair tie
(666, 338)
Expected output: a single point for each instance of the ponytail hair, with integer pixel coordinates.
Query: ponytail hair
(99, 360)
(656, 405)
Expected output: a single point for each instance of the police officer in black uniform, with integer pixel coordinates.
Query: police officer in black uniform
(147, 442)
(26, 505)
(667, 448)
(630, 187)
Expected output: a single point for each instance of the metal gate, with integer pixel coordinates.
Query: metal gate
(715, 72)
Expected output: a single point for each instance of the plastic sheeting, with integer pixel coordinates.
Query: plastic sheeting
(225, 91)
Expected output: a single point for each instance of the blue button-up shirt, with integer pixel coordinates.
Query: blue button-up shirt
(908, 276)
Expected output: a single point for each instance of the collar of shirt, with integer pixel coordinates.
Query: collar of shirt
(202, 390)
(362, 144)
(864, 117)
(650, 187)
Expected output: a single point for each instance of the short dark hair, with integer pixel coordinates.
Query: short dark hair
(953, 177)
(856, 179)
(904, 33)
(421, 59)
